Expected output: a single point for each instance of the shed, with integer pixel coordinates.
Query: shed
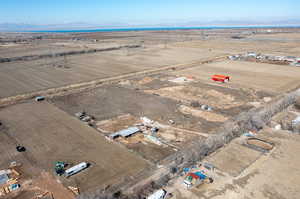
(125, 133)
(3, 177)
(251, 54)
(220, 78)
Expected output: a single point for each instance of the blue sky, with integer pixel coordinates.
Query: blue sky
(144, 11)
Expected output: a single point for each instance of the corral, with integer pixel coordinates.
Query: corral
(244, 171)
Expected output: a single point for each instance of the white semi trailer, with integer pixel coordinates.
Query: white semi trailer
(76, 169)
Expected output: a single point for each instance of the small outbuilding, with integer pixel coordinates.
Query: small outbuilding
(125, 133)
(220, 78)
(3, 177)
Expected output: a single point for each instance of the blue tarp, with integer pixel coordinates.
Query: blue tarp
(186, 170)
(201, 175)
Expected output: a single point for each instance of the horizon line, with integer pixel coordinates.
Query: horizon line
(149, 28)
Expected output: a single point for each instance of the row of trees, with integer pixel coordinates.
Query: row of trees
(255, 119)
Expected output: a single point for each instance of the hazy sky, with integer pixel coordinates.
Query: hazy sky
(144, 11)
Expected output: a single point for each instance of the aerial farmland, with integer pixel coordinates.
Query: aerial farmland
(141, 108)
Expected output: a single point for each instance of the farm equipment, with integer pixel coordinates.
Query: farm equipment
(39, 98)
(60, 168)
(220, 78)
(20, 149)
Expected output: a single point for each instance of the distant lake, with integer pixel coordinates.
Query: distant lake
(157, 29)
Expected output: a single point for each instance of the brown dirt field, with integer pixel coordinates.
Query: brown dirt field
(31, 49)
(209, 116)
(259, 76)
(111, 101)
(50, 135)
(279, 36)
(285, 44)
(179, 137)
(46, 46)
(50, 132)
(29, 76)
(224, 99)
(116, 124)
(24, 77)
(47, 183)
(188, 94)
(234, 158)
(24, 195)
(151, 152)
(107, 103)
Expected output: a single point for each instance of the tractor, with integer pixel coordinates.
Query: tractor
(60, 168)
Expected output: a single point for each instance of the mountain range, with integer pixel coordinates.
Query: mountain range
(19, 27)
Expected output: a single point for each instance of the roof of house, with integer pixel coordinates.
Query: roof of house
(193, 175)
(220, 76)
(126, 132)
(200, 175)
(3, 178)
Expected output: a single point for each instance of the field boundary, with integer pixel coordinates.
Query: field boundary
(61, 54)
